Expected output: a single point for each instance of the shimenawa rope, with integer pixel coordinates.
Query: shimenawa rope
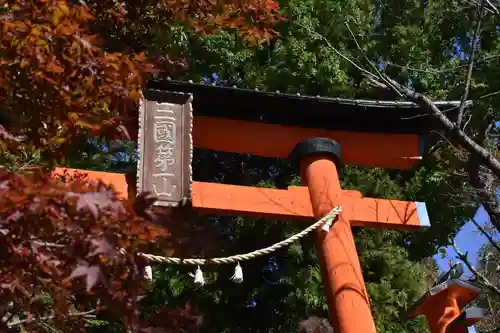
(327, 220)
(325, 223)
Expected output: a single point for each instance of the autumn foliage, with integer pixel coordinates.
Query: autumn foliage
(62, 241)
(69, 249)
(58, 79)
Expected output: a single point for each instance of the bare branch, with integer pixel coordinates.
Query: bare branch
(489, 95)
(457, 135)
(480, 277)
(495, 330)
(474, 43)
(486, 234)
(440, 71)
(375, 69)
(346, 58)
(468, 121)
(18, 323)
(492, 7)
(47, 244)
(489, 128)
(483, 182)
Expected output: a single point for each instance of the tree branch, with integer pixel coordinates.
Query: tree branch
(18, 323)
(487, 235)
(340, 54)
(440, 71)
(486, 192)
(386, 81)
(455, 133)
(495, 330)
(480, 277)
(474, 43)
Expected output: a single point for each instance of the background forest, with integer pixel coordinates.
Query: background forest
(445, 50)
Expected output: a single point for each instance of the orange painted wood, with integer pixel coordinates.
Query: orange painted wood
(443, 304)
(343, 283)
(291, 204)
(392, 151)
(295, 204)
(445, 310)
(117, 180)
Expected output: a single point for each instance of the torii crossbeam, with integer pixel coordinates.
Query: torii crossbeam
(371, 133)
(344, 286)
(292, 204)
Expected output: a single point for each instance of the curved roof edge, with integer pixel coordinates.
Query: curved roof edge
(306, 111)
(347, 101)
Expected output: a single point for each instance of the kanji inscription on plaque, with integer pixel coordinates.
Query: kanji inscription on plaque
(165, 147)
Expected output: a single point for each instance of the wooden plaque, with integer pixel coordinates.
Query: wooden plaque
(165, 147)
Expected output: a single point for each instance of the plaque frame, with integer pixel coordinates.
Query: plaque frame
(163, 115)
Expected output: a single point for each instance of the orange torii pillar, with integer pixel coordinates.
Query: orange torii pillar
(444, 307)
(345, 290)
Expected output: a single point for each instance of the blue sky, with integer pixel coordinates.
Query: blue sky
(468, 239)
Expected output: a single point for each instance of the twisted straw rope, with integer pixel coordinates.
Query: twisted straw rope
(326, 220)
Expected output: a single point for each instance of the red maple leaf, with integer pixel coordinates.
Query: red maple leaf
(92, 274)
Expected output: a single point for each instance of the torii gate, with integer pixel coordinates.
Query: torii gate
(369, 133)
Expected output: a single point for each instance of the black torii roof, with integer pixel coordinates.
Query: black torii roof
(306, 111)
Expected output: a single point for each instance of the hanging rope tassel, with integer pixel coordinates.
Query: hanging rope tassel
(148, 273)
(238, 274)
(198, 277)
